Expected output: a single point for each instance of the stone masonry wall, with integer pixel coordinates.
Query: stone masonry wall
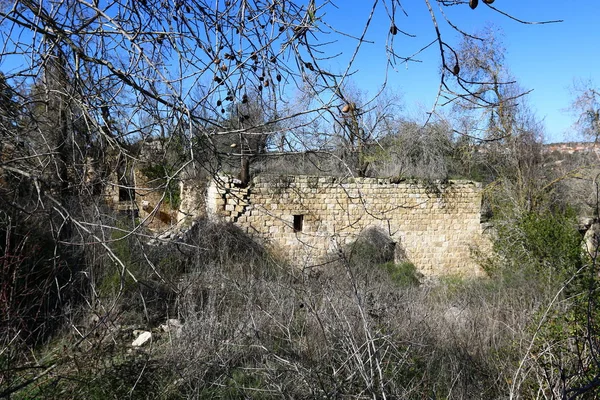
(307, 217)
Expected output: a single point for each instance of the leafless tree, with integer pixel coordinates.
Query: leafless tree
(586, 107)
(495, 114)
(361, 122)
(128, 61)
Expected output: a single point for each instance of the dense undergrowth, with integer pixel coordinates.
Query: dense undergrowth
(357, 327)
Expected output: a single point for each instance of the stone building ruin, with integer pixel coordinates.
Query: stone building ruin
(436, 227)
(303, 218)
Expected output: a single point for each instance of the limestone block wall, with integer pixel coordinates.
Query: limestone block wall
(306, 217)
(145, 201)
(192, 204)
(149, 199)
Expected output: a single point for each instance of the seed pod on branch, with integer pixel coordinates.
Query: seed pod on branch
(473, 4)
(348, 107)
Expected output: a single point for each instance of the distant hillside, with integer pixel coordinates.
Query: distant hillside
(572, 147)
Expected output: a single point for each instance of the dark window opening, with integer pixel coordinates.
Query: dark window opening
(126, 194)
(298, 222)
(126, 182)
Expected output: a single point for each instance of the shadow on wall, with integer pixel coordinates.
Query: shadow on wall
(374, 246)
(375, 254)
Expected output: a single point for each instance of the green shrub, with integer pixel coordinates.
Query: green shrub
(543, 244)
(542, 250)
(403, 274)
(113, 278)
(373, 252)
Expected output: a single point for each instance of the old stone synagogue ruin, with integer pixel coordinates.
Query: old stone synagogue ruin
(305, 218)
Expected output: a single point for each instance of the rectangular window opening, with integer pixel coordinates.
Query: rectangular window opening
(126, 194)
(298, 223)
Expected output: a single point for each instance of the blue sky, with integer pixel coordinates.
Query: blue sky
(546, 58)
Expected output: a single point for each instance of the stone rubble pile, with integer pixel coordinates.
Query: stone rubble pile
(178, 234)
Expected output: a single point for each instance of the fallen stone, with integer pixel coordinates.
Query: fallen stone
(142, 339)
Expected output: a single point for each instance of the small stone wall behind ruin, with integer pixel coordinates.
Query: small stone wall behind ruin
(437, 227)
